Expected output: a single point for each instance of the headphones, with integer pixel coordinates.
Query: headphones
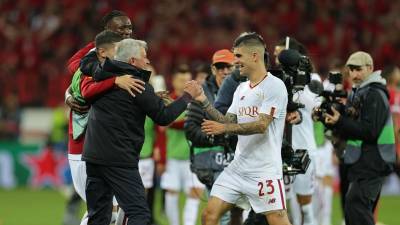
(253, 35)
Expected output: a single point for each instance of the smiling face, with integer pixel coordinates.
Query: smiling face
(245, 60)
(121, 25)
(142, 61)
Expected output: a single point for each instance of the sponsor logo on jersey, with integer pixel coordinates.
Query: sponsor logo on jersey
(251, 111)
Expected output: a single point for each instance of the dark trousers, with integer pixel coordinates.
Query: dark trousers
(344, 184)
(125, 183)
(361, 199)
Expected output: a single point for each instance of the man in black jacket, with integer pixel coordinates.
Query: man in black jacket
(115, 136)
(367, 127)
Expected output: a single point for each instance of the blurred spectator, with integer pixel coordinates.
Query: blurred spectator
(392, 75)
(59, 131)
(42, 34)
(10, 117)
(202, 72)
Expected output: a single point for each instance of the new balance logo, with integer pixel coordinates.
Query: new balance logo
(271, 201)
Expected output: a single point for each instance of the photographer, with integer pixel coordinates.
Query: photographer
(302, 138)
(367, 127)
(209, 154)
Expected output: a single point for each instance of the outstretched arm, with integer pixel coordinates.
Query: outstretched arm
(257, 127)
(218, 116)
(213, 113)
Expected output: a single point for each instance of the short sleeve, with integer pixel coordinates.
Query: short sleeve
(274, 102)
(234, 106)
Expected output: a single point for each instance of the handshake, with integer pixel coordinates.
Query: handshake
(194, 89)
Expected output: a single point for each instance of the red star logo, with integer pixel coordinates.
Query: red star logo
(46, 168)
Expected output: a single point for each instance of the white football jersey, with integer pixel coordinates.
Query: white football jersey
(260, 154)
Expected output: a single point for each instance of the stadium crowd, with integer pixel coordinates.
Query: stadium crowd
(39, 36)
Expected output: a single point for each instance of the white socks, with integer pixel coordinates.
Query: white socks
(295, 212)
(327, 207)
(308, 214)
(190, 211)
(171, 208)
(245, 214)
(120, 217)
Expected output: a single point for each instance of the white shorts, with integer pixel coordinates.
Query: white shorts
(178, 176)
(146, 170)
(304, 184)
(324, 160)
(78, 173)
(262, 194)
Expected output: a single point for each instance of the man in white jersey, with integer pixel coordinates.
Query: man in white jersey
(257, 116)
(303, 186)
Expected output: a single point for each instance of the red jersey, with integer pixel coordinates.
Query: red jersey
(394, 100)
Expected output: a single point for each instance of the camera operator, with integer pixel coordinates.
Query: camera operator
(366, 125)
(209, 154)
(302, 138)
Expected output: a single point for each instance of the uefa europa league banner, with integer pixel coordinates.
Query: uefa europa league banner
(32, 165)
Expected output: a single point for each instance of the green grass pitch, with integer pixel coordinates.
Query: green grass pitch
(46, 207)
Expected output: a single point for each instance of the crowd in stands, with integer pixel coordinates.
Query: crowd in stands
(38, 36)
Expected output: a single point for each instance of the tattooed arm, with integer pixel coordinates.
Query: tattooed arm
(218, 116)
(257, 127)
(212, 112)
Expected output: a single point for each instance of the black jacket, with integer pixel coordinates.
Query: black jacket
(89, 64)
(115, 131)
(367, 127)
(195, 116)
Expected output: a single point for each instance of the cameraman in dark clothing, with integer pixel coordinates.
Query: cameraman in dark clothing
(367, 127)
(115, 136)
(209, 154)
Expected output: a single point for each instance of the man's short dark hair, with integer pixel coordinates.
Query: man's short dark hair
(253, 41)
(295, 45)
(203, 68)
(249, 39)
(111, 15)
(107, 37)
(181, 69)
